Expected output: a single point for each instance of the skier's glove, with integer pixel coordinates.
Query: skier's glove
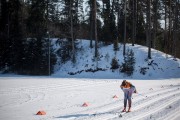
(135, 91)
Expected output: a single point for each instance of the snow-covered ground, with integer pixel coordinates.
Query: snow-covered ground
(62, 95)
(62, 99)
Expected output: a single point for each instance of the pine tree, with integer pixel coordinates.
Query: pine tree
(4, 32)
(109, 27)
(11, 35)
(127, 66)
(114, 64)
(140, 32)
(39, 49)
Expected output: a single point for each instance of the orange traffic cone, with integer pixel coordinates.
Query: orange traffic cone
(115, 96)
(85, 104)
(41, 113)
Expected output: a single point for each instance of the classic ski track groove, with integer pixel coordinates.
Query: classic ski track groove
(153, 102)
(175, 114)
(154, 110)
(147, 103)
(108, 111)
(168, 113)
(117, 107)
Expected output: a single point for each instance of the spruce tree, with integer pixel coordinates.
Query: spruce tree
(127, 66)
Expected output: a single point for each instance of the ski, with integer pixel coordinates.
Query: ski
(122, 113)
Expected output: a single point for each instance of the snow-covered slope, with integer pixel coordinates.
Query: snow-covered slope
(163, 66)
(62, 99)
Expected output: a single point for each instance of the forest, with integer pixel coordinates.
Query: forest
(27, 26)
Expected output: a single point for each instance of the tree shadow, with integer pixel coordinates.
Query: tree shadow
(73, 116)
(87, 115)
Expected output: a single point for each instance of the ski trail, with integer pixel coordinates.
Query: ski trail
(147, 103)
(116, 105)
(108, 109)
(171, 113)
(154, 110)
(108, 112)
(174, 116)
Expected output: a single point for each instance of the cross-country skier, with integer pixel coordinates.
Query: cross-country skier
(128, 90)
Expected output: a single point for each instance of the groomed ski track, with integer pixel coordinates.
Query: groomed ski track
(144, 107)
(63, 98)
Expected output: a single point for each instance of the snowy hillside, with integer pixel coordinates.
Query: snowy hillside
(159, 67)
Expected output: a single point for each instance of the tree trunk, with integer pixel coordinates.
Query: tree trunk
(170, 27)
(175, 29)
(149, 29)
(124, 47)
(165, 31)
(154, 24)
(91, 23)
(72, 36)
(134, 22)
(136, 15)
(95, 30)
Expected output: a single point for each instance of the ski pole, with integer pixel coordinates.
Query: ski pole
(141, 95)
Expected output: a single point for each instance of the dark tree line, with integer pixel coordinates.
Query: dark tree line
(25, 47)
(27, 25)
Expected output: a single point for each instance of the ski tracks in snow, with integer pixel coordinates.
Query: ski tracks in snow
(25, 95)
(160, 103)
(148, 108)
